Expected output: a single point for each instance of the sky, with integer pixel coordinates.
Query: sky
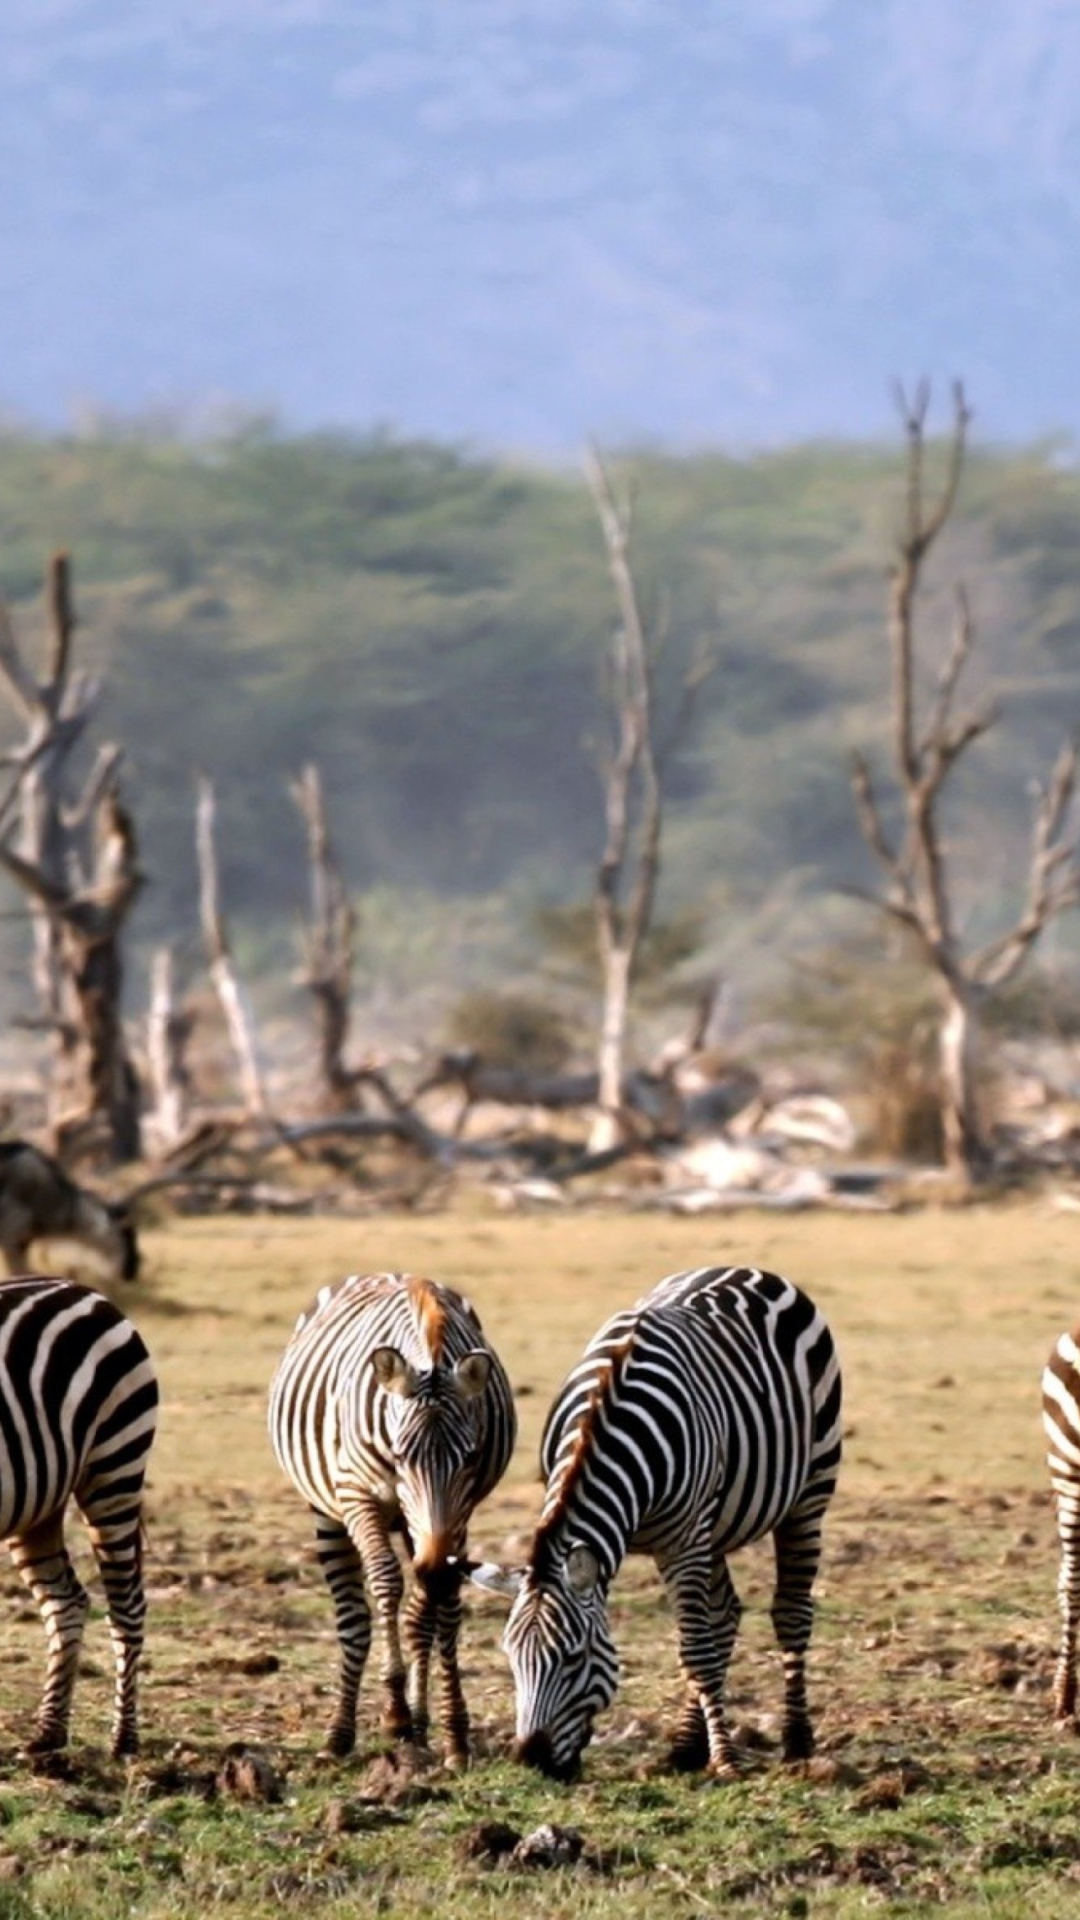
(518, 224)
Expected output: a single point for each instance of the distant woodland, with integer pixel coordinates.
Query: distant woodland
(429, 627)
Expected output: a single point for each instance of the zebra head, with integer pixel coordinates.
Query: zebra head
(435, 1428)
(562, 1657)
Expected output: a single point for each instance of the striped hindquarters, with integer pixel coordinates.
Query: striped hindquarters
(78, 1402)
(1061, 1418)
(78, 1409)
(721, 1385)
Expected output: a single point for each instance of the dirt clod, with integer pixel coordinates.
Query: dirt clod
(489, 1842)
(887, 1790)
(351, 1816)
(549, 1846)
(248, 1774)
(393, 1779)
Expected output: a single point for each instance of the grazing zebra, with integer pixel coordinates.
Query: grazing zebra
(702, 1418)
(39, 1202)
(1061, 1419)
(78, 1408)
(391, 1413)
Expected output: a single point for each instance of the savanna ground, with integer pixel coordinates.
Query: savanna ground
(940, 1780)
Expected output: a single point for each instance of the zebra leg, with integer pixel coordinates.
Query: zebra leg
(453, 1713)
(1068, 1587)
(44, 1565)
(797, 1542)
(420, 1617)
(344, 1574)
(371, 1537)
(433, 1619)
(707, 1611)
(119, 1556)
(689, 1750)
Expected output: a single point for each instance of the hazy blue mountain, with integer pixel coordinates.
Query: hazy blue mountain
(522, 221)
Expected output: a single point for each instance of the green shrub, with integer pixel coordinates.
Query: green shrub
(511, 1030)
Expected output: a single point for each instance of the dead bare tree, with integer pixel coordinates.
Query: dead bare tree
(918, 891)
(219, 953)
(328, 948)
(77, 860)
(168, 1031)
(629, 866)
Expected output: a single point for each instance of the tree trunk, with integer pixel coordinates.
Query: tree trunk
(966, 1153)
(339, 1087)
(329, 949)
(239, 1025)
(107, 1086)
(168, 1033)
(609, 1129)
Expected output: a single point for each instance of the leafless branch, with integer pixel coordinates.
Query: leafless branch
(13, 669)
(61, 622)
(696, 676)
(101, 776)
(1053, 874)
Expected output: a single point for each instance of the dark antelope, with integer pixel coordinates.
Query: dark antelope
(38, 1201)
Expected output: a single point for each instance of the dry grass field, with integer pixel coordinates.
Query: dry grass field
(939, 1782)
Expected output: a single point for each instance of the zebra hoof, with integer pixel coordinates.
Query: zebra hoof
(125, 1746)
(798, 1745)
(340, 1742)
(47, 1740)
(723, 1773)
(687, 1757)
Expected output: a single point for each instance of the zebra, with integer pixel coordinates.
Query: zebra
(705, 1416)
(391, 1413)
(78, 1409)
(1061, 1420)
(38, 1201)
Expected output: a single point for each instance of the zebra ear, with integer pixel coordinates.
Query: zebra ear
(472, 1374)
(392, 1371)
(582, 1571)
(507, 1582)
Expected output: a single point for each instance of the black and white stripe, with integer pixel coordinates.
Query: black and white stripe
(702, 1418)
(78, 1409)
(391, 1413)
(1061, 1419)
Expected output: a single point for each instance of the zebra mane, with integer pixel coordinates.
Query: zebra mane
(429, 1306)
(542, 1557)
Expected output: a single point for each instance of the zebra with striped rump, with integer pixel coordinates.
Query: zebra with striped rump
(391, 1413)
(704, 1417)
(78, 1410)
(1061, 1420)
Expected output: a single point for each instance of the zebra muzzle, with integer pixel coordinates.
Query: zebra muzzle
(436, 1562)
(537, 1751)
